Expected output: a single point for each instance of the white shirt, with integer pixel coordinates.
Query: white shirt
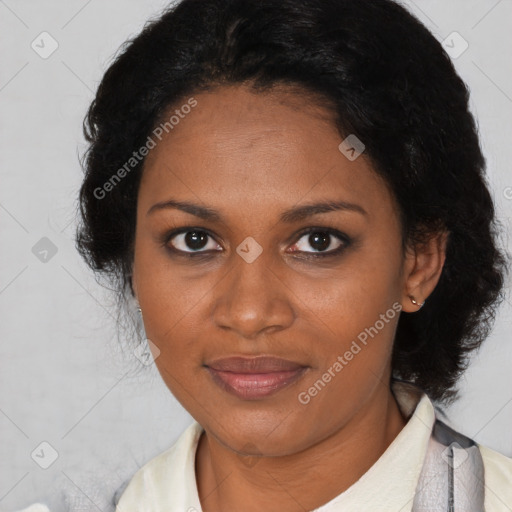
(167, 483)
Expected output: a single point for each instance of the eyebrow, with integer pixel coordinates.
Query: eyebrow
(295, 214)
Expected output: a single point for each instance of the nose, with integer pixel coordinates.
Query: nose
(253, 299)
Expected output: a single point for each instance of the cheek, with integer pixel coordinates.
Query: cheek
(354, 295)
(333, 309)
(172, 305)
(354, 332)
(351, 323)
(171, 295)
(341, 302)
(353, 315)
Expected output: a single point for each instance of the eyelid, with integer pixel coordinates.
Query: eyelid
(330, 230)
(165, 239)
(345, 240)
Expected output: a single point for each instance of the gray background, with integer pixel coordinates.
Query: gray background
(63, 378)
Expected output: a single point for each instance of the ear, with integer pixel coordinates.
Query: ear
(422, 269)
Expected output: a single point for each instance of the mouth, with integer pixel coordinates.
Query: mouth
(256, 377)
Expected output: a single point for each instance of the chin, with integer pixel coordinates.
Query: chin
(260, 432)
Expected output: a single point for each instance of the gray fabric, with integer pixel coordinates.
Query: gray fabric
(452, 477)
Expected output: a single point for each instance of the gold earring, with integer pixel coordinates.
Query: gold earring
(413, 300)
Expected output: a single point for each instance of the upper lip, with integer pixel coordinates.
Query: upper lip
(260, 364)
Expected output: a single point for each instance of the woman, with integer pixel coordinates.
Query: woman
(294, 196)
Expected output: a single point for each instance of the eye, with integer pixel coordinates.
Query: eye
(194, 239)
(325, 242)
(195, 242)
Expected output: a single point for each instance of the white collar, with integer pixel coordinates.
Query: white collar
(167, 483)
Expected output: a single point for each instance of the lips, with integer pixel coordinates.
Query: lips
(261, 364)
(255, 377)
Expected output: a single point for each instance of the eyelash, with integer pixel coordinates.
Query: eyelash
(329, 230)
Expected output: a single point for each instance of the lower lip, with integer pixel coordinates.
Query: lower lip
(252, 386)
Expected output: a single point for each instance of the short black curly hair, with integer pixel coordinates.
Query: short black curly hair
(387, 80)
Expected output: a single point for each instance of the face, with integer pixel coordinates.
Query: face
(252, 270)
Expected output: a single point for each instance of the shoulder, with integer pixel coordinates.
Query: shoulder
(165, 463)
(498, 480)
(164, 477)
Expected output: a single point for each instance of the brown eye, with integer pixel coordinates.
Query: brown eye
(192, 241)
(322, 241)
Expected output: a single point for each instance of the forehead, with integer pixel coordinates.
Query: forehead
(237, 144)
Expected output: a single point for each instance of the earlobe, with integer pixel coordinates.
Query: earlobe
(416, 303)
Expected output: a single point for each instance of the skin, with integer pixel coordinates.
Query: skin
(250, 157)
